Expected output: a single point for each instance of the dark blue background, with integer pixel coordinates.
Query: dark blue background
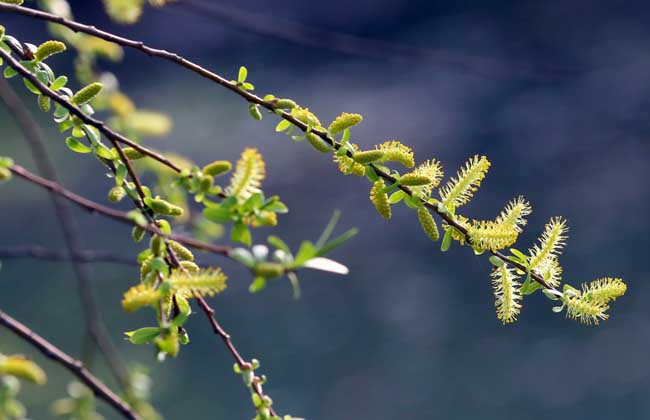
(555, 93)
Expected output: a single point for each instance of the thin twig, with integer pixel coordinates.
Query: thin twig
(75, 366)
(250, 97)
(95, 326)
(120, 216)
(39, 252)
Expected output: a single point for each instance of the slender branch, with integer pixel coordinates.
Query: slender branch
(75, 366)
(95, 326)
(120, 216)
(40, 252)
(250, 97)
(113, 136)
(225, 337)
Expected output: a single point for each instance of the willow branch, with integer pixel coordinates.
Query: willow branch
(75, 366)
(113, 136)
(120, 216)
(83, 256)
(249, 97)
(95, 326)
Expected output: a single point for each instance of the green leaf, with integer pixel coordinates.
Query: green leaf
(120, 174)
(370, 172)
(32, 87)
(282, 125)
(143, 335)
(496, 261)
(520, 255)
(59, 82)
(104, 152)
(327, 232)
(218, 215)
(241, 233)
(529, 285)
(396, 197)
(278, 243)
(243, 74)
(336, 242)
(77, 146)
(184, 311)
(258, 284)
(243, 255)
(446, 241)
(10, 72)
(306, 252)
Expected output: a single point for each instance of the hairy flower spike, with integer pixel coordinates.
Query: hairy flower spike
(344, 121)
(428, 224)
(432, 170)
(138, 296)
(584, 309)
(248, 175)
(506, 293)
(395, 151)
(216, 168)
(368, 156)
(306, 116)
(489, 235)
(459, 191)
(18, 2)
(48, 49)
(182, 252)
(22, 368)
(87, 94)
(206, 282)
(318, 144)
(515, 213)
(380, 199)
(349, 166)
(604, 289)
(543, 258)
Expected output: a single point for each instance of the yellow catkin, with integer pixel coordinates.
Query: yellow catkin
(604, 290)
(48, 49)
(306, 116)
(489, 235)
(506, 294)
(415, 180)
(543, 258)
(318, 144)
(207, 282)
(87, 94)
(138, 296)
(460, 189)
(395, 151)
(585, 310)
(368, 156)
(380, 199)
(343, 121)
(428, 224)
(180, 251)
(348, 166)
(248, 176)
(216, 168)
(22, 368)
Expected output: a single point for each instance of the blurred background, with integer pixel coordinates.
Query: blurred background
(555, 93)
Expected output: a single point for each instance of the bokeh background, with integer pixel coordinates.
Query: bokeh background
(555, 93)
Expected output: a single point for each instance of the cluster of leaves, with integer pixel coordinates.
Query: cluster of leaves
(13, 369)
